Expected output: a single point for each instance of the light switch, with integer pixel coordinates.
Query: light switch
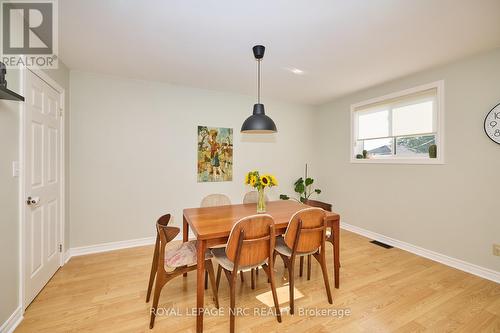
(15, 169)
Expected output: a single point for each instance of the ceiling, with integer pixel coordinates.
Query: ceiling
(342, 46)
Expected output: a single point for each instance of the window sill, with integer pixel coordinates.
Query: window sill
(432, 161)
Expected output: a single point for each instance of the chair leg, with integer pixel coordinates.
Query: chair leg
(206, 280)
(213, 283)
(152, 275)
(309, 267)
(291, 282)
(242, 277)
(322, 262)
(160, 282)
(252, 273)
(275, 295)
(301, 268)
(232, 303)
(151, 281)
(256, 271)
(217, 280)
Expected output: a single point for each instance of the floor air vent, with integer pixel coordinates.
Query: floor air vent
(385, 246)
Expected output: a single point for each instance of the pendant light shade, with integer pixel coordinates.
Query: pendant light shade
(258, 122)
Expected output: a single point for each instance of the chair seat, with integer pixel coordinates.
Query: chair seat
(183, 254)
(221, 257)
(283, 249)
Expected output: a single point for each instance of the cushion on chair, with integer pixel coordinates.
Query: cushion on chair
(282, 248)
(181, 254)
(221, 257)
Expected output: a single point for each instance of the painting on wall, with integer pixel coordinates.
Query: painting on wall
(215, 154)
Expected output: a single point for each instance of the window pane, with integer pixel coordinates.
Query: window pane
(415, 118)
(373, 124)
(378, 147)
(414, 146)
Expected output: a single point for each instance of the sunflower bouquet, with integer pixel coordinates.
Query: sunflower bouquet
(255, 180)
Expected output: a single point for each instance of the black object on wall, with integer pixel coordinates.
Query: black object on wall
(258, 122)
(4, 92)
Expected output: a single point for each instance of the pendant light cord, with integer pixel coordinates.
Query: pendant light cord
(258, 81)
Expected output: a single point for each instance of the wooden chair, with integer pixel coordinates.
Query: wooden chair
(305, 235)
(329, 234)
(173, 261)
(253, 197)
(213, 200)
(250, 245)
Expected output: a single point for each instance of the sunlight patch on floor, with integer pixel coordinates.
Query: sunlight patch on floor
(283, 296)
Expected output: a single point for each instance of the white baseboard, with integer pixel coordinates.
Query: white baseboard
(105, 247)
(441, 258)
(14, 320)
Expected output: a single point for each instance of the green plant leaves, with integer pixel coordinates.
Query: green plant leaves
(298, 181)
(300, 188)
(309, 181)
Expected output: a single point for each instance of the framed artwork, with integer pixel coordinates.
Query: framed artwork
(215, 154)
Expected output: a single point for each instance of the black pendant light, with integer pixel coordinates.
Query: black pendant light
(258, 122)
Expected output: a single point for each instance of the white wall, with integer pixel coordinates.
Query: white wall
(452, 208)
(9, 220)
(133, 152)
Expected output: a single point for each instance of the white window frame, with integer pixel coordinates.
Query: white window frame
(439, 86)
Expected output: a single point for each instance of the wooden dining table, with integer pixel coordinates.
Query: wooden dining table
(211, 226)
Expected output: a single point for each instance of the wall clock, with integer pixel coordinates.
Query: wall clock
(492, 124)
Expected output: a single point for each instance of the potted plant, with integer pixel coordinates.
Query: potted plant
(303, 187)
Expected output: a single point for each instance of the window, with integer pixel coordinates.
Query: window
(404, 127)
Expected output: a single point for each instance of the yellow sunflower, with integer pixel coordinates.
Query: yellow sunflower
(247, 178)
(274, 181)
(253, 180)
(265, 180)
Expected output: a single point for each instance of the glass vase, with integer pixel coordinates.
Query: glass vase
(261, 202)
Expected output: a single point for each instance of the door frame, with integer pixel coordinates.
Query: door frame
(23, 72)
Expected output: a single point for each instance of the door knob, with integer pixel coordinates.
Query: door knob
(31, 201)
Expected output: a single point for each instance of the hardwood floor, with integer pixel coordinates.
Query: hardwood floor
(385, 290)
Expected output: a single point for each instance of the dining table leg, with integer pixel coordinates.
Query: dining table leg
(336, 252)
(185, 233)
(201, 247)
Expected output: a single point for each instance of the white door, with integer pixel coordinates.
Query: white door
(42, 185)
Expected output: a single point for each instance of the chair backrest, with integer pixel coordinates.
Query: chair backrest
(253, 197)
(213, 200)
(164, 234)
(251, 240)
(306, 230)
